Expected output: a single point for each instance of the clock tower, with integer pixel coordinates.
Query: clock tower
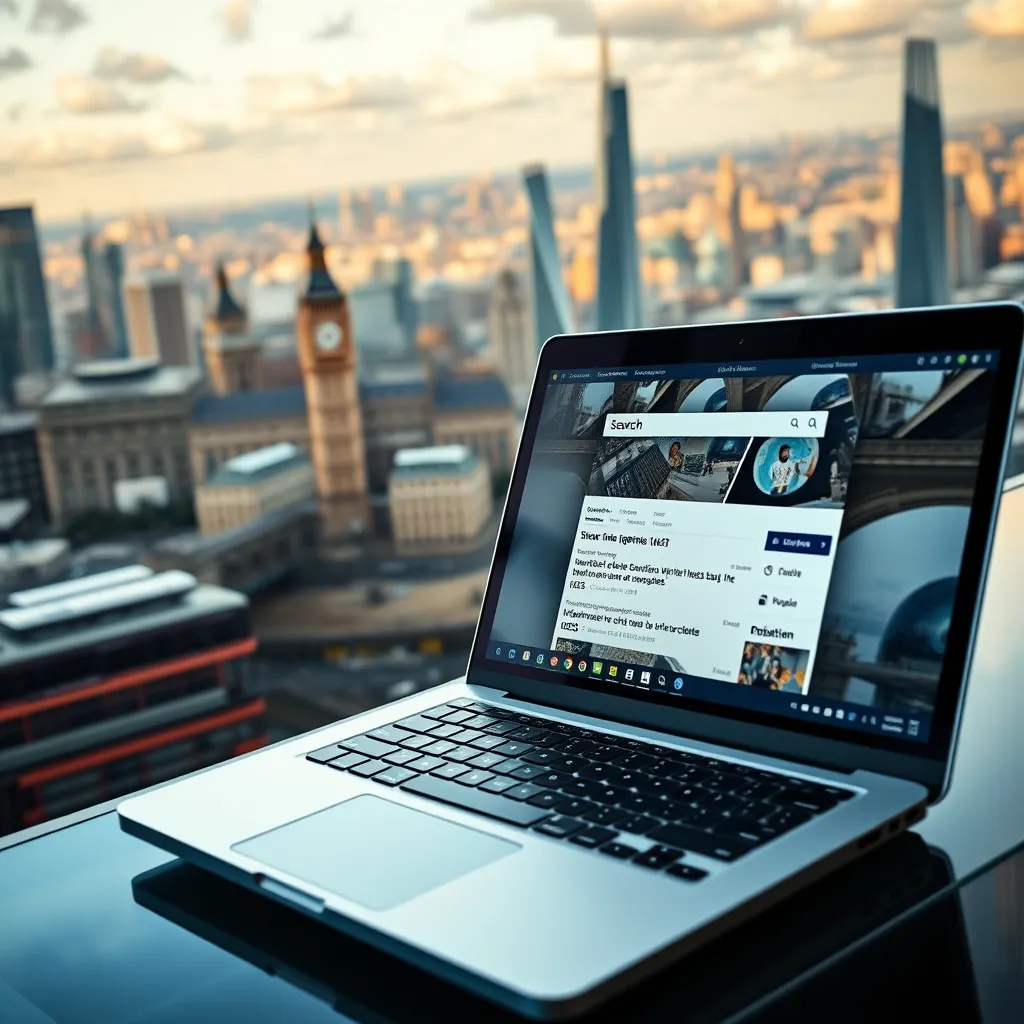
(327, 354)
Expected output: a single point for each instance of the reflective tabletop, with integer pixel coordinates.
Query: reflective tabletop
(98, 926)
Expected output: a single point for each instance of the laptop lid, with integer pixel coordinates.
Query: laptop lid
(769, 535)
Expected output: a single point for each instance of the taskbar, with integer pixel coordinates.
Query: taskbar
(792, 703)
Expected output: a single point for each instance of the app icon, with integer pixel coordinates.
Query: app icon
(568, 663)
(511, 652)
(554, 661)
(828, 712)
(793, 705)
(853, 716)
(582, 666)
(497, 651)
(762, 600)
(645, 678)
(540, 659)
(961, 359)
(840, 713)
(613, 670)
(629, 674)
(920, 360)
(805, 707)
(769, 569)
(526, 655)
(815, 710)
(677, 683)
(598, 665)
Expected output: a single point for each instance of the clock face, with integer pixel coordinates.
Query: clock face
(328, 336)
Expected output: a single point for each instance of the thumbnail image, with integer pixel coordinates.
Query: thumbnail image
(783, 465)
(667, 468)
(768, 667)
(894, 403)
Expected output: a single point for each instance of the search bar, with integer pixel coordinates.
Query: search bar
(716, 424)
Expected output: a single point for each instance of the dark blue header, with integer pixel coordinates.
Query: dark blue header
(978, 359)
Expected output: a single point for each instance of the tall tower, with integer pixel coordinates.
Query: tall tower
(963, 234)
(96, 342)
(232, 357)
(729, 227)
(511, 341)
(922, 267)
(551, 312)
(618, 268)
(327, 354)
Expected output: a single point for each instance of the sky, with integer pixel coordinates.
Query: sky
(113, 105)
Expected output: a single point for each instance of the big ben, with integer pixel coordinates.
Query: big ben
(327, 353)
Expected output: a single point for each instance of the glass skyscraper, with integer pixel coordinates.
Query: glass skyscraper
(552, 313)
(618, 270)
(26, 342)
(922, 265)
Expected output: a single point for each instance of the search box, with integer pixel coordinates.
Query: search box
(716, 424)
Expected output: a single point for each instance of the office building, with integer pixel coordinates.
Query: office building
(922, 263)
(26, 341)
(110, 424)
(438, 495)
(551, 313)
(963, 235)
(398, 274)
(476, 410)
(251, 486)
(112, 300)
(512, 344)
(376, 319)
(90, 335)
(156, 318)
(232, 355)
(21, 471)
(618, 267)
(117, 681)
(728, 224)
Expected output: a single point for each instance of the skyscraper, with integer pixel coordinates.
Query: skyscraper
(618, 270)
(112, 308)
(551, 312)
(511, 342)
(95, 340)
(728, 225)
(157, 325)
(963, 232)
(26, 343)
(922, 268)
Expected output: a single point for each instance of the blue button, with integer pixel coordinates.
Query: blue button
(798, 543)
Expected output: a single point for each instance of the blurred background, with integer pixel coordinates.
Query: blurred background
(273, 278)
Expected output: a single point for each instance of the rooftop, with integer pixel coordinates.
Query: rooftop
(445, 459)
(16, 422)
(242, 406)
(13, 512)
(122, 380)
(261, 464)
(459, 394)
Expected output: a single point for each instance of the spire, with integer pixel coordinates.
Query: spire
(321, 285)
(225, 308)
(604, 50)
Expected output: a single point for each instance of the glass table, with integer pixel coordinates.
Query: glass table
(98, 926)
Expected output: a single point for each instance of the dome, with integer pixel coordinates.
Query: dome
(105, 370)
(916, 631)
(717, 402)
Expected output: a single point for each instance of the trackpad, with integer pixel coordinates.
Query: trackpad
(375, 852)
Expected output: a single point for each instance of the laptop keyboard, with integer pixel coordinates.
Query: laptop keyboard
(592, 789)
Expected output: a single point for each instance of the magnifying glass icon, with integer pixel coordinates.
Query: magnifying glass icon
(812, 423)
(794, 422)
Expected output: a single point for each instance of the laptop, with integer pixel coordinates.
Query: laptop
(721, 652)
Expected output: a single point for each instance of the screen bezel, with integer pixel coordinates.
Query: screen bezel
(998, 327)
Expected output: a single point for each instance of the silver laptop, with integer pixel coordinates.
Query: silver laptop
(721, 651)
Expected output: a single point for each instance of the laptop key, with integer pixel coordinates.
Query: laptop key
(458, 717)
(547, 799)
(638, 824)
(490, 805)
(437, 713)
(369, 747)
(438, 748)
(687, 872)
(488, 742)
(559, 827)
(462, 702)
(593, 837)
(503, 727)
(499, 784)
(444, 731)
(462, 754)
(575, 808)
(467, 736)
(658, 857)
(424, 764)
(394, 776)
(605, 815)
(620, 851)
(417, 723)
(346, 761)
(448, 770)
(553, 780)
(390, 734)
(486, 760)
(478, 722)
(527, 772)
(474, 777)
(523, 791)
(705, 843)
(514, 748)
(417, 741)
(370, 768)
(325, 754)
(401, 757)
(508, 766)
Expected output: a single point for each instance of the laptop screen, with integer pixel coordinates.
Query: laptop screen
(783, 538)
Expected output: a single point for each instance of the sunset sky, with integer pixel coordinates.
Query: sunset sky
(117, 104)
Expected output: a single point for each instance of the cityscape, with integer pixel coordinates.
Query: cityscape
(253, 452)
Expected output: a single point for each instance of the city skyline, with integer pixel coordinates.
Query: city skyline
(250, 100)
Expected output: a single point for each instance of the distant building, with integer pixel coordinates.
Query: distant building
(110, 422)
(511, 341)
(26, 341)
(618, 268)
(253, 485)
(963, 233)
(476, 411)
(30, 563)
(156, 317)
(112, 300)
(728, 223)
(438, 495)
(232, 355)
(551, 312)
(397, 273)
(21, 471)
(117, 681)
(922, 267)
(380, 333)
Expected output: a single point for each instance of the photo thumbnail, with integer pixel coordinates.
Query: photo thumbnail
(769, 667)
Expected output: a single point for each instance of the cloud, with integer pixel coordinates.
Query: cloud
(997, 17)
(452, 111)
(854, 21)
(310, 93)
(79, 94)
(13, 61)
(113, 65)
(645, 19)
(336, 28)
(15, 112)
(57, 17)
(8, 7)
(236, 16)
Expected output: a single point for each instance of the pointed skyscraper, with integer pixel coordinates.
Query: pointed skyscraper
(551, 312)
(922, 267)
(618, 268)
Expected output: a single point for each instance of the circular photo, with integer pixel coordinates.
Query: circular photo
(784, 464)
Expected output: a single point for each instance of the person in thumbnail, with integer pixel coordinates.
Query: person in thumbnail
(760, 668)
(775, 674)
(675, 459)
(785, 470)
